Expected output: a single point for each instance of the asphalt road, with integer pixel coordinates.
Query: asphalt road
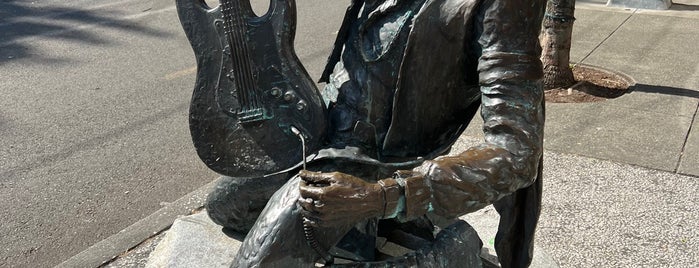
(94, 98)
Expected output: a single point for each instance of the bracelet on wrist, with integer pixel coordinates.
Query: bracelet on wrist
(393, 198)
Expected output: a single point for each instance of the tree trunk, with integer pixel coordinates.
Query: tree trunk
(555, 42)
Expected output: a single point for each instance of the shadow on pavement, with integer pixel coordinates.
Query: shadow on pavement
(20, 20)
(678, 6)
(666, 90)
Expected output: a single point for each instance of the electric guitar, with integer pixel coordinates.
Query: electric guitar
(251, 89)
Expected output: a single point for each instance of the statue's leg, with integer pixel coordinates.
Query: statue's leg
(457, 245)
(519, 214)
(277, 239)
(235, 203)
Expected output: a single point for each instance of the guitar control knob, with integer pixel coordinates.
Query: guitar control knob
(301, 105)
(276, 92)
(289, 96)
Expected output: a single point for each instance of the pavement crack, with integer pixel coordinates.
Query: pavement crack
(608, 36)
(686, 137)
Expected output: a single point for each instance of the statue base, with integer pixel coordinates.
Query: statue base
(195, 241)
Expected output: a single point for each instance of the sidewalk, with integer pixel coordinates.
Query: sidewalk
(621, 175)
(638, 209)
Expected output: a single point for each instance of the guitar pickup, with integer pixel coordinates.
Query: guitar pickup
(252, 115)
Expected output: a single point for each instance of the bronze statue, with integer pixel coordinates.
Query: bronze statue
(403, 81)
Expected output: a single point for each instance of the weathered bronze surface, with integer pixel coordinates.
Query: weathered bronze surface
(404, 80)
(250, 89)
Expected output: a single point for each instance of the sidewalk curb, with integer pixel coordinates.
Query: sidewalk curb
(109, 248)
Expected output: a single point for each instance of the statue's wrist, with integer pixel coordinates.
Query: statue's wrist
(394, 200)
(417, 194)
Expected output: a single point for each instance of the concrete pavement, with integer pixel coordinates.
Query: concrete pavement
(621, 175)
(639, 209)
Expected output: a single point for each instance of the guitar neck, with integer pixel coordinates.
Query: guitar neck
(235, 27)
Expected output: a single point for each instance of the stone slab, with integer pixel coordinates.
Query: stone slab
(625, 135)
(591, 27)
(194, 241)
(654, 50)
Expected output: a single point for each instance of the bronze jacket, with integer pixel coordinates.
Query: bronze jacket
(461, 55)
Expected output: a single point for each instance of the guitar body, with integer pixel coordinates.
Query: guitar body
(251, 88)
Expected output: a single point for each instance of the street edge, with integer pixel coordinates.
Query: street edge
(106, 250)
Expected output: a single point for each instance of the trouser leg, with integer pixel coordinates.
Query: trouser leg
(277, 239)
(235, 203)
(457, 245)
(519, 214)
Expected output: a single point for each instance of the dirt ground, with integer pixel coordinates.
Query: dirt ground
(592, 85)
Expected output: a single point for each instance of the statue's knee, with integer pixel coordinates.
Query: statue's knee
(457, 245)
(235, 203)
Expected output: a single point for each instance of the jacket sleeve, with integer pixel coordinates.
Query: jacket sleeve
(512, 108)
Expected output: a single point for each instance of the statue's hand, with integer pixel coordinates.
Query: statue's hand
(331, 199)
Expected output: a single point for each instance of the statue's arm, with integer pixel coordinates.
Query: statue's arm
(512, 109)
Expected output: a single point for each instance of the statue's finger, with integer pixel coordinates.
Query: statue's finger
(310, 218)
(307, 204)
(310, 192)
(314, 177)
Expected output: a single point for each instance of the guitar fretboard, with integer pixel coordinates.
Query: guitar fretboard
(234, 26)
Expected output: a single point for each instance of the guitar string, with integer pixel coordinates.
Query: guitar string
(247, 60)
(237, 58)
(228, 20)
(242, 58)
(247, 79)
(256, 97)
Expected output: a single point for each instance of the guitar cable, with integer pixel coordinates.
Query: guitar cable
(308, 230)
